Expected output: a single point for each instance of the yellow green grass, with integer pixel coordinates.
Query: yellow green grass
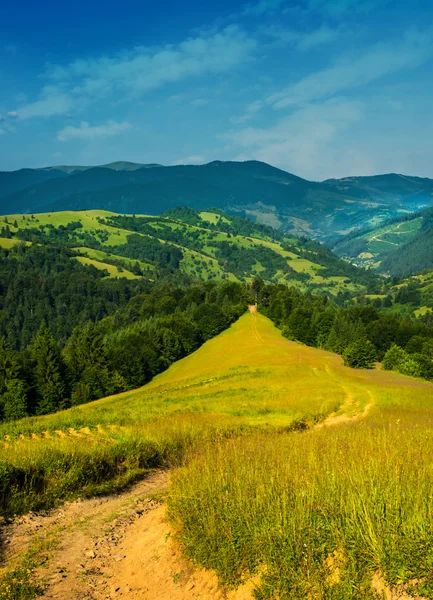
(212, 217)
(102, 256)
(9, 242)
(113, 271)
(291, 464)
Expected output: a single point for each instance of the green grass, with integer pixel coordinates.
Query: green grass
(101, 256)
(9, 242)
(257, 488)
(211, 217)
(113, 271)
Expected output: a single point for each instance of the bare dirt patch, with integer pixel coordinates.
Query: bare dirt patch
(119, 546)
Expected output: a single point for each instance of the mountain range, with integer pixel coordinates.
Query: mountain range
(324, 210)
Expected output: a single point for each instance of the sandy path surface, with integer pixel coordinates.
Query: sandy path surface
(119, 546)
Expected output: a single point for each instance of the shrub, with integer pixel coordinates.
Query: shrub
(360, 354)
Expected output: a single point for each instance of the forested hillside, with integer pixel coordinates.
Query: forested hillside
(205, 245)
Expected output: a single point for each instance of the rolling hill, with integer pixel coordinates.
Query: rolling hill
(401, 247)
(322, 210)
(286, 458)
(205, 245)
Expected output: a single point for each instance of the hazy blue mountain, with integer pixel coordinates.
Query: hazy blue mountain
(324, 210)
(15, 181)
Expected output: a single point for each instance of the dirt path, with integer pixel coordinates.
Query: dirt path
(119, 546)
(253, 310)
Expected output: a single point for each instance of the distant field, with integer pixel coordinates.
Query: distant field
(112, 270)
(8, 243)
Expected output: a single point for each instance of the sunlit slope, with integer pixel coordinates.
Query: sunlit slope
(248, 375)
(248, 378)
(207, 252)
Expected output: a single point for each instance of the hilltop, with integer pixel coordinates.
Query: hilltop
(206, 246)
(321, 210)
(278, 442)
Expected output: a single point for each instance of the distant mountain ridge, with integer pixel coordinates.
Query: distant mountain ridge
(323, 210)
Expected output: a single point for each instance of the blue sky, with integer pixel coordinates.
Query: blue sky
(320, 88)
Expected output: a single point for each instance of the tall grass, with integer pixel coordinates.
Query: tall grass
(316, 513)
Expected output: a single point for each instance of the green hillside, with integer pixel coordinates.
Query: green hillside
(287, 457)
(202, 245)
(320, 210)
(401, 247)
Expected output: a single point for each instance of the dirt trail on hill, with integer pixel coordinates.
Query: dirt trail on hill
(119, 546)
(256, 334)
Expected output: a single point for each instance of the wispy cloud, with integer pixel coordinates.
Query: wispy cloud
(380, 60)
(300, 142)
(340, 8)
(52, 102)
(301, 40)
(136, 72)
(257, 9)
(191, 160)
(250, 111)
(88, 132)
(12, 114)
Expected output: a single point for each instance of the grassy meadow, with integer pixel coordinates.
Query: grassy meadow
(288, 466)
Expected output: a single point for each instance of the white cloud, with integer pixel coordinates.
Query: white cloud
(302, 142)
(380, 60)
(12, 114)
(87, 132)
(191, 160)
(51, 103)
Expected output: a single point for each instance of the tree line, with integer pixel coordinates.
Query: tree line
(362, 334)
(68, 336)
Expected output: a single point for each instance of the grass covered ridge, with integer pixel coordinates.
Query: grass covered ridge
(259, 489)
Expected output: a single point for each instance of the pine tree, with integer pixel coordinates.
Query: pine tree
(15, 401)
(49, 371)
(8, 365)
(87, 363)
(13, 394)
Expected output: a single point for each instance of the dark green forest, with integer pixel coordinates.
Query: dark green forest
(68, 336)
